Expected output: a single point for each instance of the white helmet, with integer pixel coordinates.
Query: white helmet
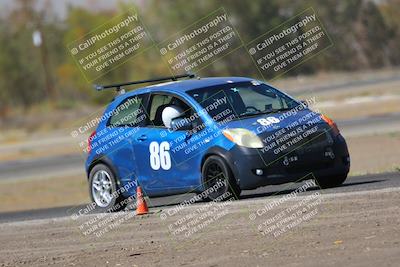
(169, 113)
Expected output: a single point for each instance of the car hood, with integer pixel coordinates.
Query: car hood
(282, 120)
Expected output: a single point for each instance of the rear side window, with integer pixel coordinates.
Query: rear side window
(131, 112)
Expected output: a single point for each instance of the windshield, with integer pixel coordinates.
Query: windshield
(242, 100)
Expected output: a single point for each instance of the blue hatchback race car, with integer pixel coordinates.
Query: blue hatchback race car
(214, 135)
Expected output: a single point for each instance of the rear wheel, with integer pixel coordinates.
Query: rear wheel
(103, 189)
(219, 181)
(331, 181)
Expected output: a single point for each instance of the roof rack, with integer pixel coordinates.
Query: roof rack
(120, 90)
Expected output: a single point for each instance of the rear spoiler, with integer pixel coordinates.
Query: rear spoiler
(119, 89)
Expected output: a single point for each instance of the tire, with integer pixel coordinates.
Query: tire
(102, 188)
(216, 170)
(331, 181)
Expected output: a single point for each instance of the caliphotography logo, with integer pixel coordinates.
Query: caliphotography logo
(199, 133)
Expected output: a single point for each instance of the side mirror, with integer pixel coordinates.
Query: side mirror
(181, 124)
(304, 103)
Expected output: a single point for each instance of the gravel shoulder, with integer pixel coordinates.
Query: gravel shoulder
(351, 229)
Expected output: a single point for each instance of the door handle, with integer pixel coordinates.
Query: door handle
(142, 138)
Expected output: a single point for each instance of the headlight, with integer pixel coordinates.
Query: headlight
(243, 137)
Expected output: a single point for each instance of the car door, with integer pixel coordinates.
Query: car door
(125, 122)
(163, 166)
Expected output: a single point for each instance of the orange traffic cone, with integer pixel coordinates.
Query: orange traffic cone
(141, 206)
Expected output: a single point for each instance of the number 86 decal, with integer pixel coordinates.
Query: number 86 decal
(159, 155)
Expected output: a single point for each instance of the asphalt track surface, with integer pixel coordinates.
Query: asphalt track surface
(352, 184)
(70, 164)
(43, 167)
(47, 167)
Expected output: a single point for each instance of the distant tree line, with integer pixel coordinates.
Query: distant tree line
(365, 34)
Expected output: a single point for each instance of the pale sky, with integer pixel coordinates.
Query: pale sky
(60, 6)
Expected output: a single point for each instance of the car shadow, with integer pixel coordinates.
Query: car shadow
(179, 199)
(249, 195)
(162, 202)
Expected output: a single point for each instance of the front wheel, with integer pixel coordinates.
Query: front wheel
(103, 189)
(219, 181)
(331, 181)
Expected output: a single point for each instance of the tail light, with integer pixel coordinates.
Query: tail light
(332, 124)
(89, 141)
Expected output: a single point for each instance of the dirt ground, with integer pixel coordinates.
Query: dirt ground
(374, 154)
(348, 229)
(16, 195)
(350, 102)
(351, 110)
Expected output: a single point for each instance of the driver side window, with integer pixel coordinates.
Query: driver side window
(159, 103)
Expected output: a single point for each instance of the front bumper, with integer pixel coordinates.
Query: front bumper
(306, 162)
